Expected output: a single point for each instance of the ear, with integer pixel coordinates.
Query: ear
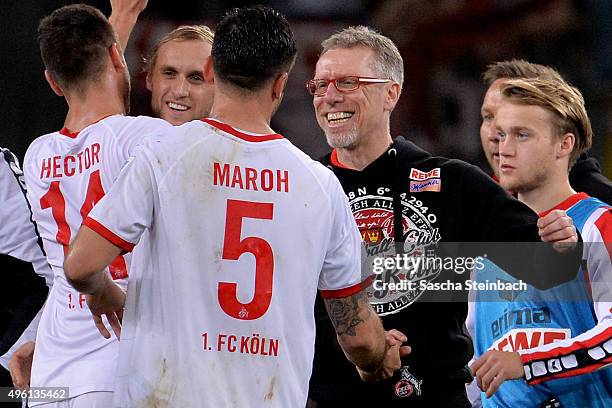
(392, 96)
(54, 85)
(209, 72)
(149, 81)
(116, 57)
(566, 145)
(279, 86)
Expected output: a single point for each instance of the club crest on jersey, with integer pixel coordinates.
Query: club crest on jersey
(373, 212)
(427, 185)
(408, 385)
(418, 175)
(372, 235)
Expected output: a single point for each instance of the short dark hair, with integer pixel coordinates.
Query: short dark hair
(251, 46)
(518, 69)
(73, 42)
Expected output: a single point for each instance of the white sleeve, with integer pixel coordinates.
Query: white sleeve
(18, 237)
(341, 275)
(592, 349)
(127, 210)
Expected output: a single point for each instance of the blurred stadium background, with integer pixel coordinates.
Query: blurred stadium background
(446, 44)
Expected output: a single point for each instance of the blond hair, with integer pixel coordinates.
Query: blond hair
(565, 103)
(517, 69)
(181, 33)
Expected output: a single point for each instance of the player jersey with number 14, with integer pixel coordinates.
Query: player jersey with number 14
(67, 174)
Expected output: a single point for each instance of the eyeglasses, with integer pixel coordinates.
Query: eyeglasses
(318, 87)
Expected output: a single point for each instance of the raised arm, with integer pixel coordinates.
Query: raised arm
(124, 16)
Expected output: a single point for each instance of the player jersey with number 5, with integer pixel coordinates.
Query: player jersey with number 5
(241, 230)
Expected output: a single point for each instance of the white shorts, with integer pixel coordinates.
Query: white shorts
(98, 399)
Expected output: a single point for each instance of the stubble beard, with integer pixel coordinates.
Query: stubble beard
(345, 140)
(524, 184)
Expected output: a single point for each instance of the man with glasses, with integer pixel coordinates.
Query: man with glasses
(401, 196)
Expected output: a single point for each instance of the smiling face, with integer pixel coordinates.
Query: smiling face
(488, 134)
(179, 93)
(528, 146)
(348, 118)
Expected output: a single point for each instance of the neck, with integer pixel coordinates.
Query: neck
(547, 195)
(94, 104)
(370, 149)
(246, 113)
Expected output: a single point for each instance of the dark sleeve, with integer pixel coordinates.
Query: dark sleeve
(586, 177)
(23, 295)
(506, 230)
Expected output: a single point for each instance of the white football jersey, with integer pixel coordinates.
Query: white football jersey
(241, 231)
(67, 174)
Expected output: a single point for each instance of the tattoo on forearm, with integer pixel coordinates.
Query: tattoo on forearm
(345, 313)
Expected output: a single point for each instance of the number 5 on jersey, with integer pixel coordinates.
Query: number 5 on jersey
(234, 247)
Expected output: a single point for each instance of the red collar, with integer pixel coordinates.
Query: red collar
(239, 134)
(567, 203)
(67, 132)
(334, 160)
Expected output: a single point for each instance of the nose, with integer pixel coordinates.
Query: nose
(506, 146)
(491, 132)
(181, 88)
(493, 136)
(332, 94)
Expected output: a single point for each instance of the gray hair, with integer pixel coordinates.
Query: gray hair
(388, 62)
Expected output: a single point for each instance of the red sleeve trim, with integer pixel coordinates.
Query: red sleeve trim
(567, 203)
(571, 373)
(244, 136)
(346, 292)
(108, 234)
(563, 351)
(556, 353)
(604, 225)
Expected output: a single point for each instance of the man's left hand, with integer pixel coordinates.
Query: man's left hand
(494, 367)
